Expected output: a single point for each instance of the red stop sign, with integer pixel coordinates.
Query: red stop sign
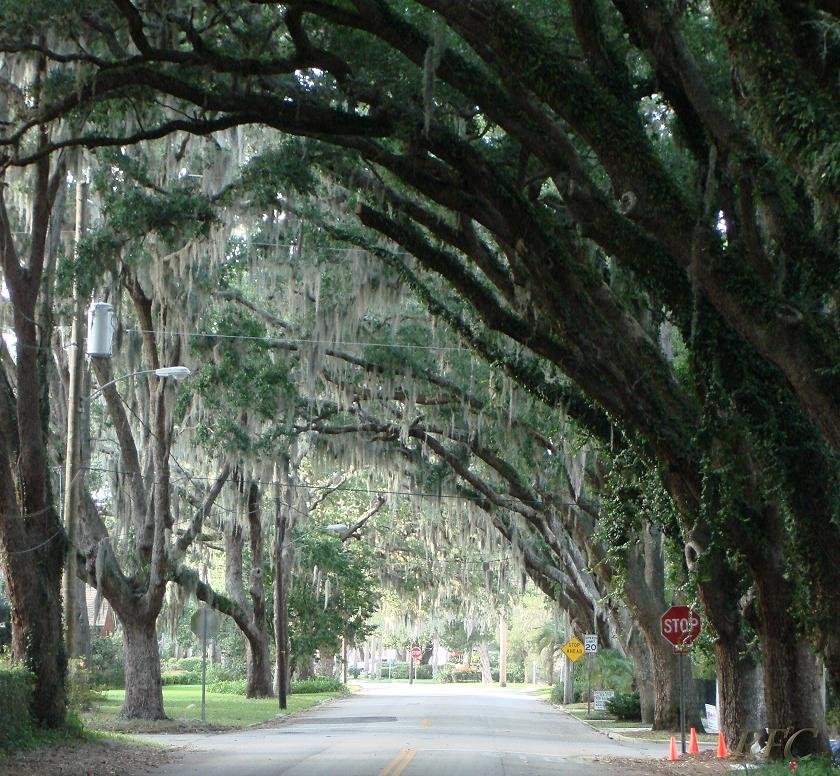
(680, 625)
(416, 652)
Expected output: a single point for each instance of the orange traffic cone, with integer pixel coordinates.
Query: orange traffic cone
(722, 751)
(672, 751)
(692, 743)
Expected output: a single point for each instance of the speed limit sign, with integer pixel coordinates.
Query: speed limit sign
(590, 643)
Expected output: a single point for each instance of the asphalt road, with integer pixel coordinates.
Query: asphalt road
(420, 730)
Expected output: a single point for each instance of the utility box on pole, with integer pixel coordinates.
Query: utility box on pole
(100, 330)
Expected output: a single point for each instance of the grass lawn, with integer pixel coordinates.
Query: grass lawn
(183, 704)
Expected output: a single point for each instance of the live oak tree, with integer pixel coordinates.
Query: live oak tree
(32, 542)
(132, 560)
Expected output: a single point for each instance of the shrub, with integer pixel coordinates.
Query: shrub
(317, 684)
(625, 706)
(453, 672)
(187, 664)
(82, 693)
(106, 662)
(219, 673)
(513, 674)
(16, 686)
(557, 693)
(423, 671)
(232, 687)
(180, 677)
(398, 671)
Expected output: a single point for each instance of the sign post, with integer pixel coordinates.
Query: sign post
(204, 624)
(590, 647)
(680, 625)
(573, 650)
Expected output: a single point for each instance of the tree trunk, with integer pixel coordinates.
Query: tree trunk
(258, 658)
(791, 672)
(281, 578)
(484, 659)
(306, 669)
(666, 684)
(82, 633)
(143, 691)
(326, 666)
(258, 667)
(643, 673)
(742, 678)
(32, 543)
(549, 666)
(645, 594)
(792, 678)
(568, 681)
(33, 587)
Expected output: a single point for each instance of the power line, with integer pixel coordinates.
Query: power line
(269, 340)
(304, 341)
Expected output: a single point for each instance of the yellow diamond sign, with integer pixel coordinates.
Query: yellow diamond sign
(573, 649)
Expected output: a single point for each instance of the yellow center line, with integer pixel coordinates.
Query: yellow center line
(399, 763)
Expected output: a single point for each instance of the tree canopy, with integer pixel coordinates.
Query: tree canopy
(628, 208)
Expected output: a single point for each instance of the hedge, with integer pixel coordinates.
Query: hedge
(315, 684)
(400, 671)
(16, 688)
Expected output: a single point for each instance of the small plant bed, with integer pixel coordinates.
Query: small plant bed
(182, 704)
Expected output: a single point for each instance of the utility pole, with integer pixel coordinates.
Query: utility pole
(72, 458)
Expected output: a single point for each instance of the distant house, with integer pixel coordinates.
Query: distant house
(101, 618)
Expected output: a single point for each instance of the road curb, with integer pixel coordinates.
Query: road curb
(611, 734)
(607, 733)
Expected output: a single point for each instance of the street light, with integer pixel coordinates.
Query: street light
(175, 372)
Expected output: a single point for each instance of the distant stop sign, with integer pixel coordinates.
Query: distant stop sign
(680, 625)
(416, 652)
